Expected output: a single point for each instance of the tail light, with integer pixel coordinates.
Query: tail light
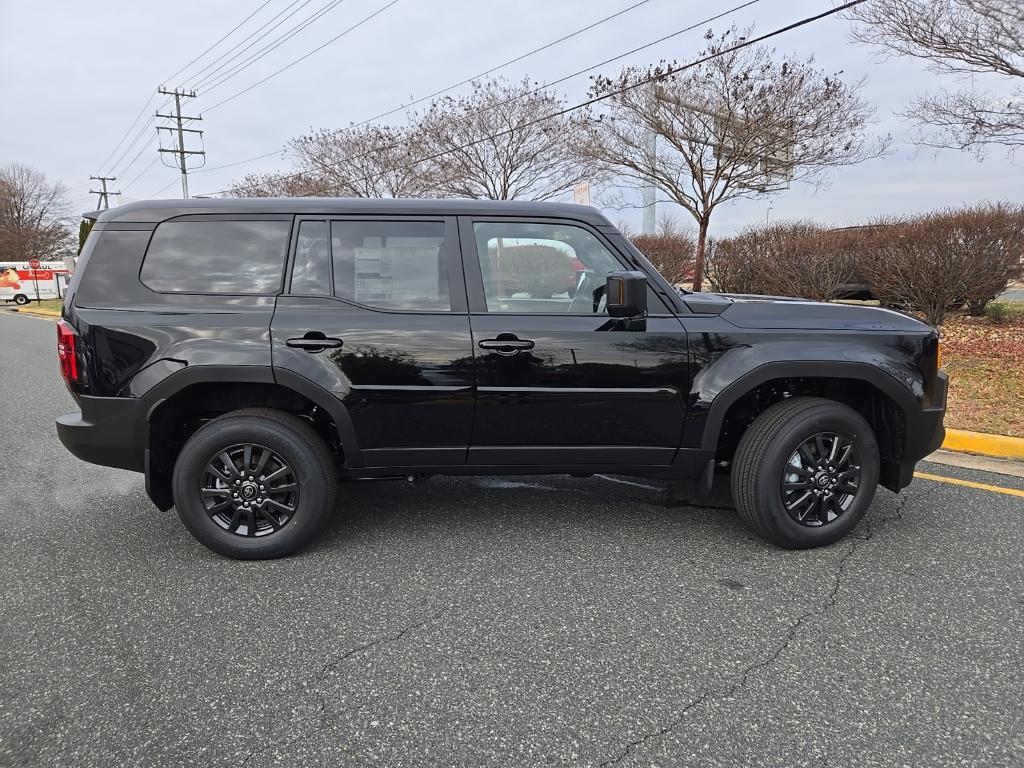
(67, 351)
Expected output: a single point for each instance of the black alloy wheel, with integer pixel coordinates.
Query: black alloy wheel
(255, 483)
(249, 490)
(821, 479)
(805, 472)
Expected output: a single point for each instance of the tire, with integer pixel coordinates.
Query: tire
(21, 299)
(284, 446)
(773, 470)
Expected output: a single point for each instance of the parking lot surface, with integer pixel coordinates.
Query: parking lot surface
(513, 621)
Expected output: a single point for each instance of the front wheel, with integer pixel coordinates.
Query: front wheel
(254, 484)
(805, 472)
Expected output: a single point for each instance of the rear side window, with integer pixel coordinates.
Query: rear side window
(226, 257)
(391, 264)
(311, 273)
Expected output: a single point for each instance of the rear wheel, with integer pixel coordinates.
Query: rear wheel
(805, 472)
(254, 484)
(21, 299)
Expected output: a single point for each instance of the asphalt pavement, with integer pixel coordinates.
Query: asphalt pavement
(494, 622)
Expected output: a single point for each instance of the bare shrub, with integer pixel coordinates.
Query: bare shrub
(671, 253)
(946, 260)
(788, 259)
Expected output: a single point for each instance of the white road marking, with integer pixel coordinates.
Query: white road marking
(498, 483)
(628, 482)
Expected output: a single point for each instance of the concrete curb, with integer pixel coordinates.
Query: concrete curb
(984, 444)
(40, 312)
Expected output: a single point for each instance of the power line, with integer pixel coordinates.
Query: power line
(306, 55)
(221, 40)
(669, 71)
(267, 49)
(130, 128)
(215, 65)
(135, 159)
(142, 173)
(578, 72)
(513, 60)
(116, 165)
(162, 189)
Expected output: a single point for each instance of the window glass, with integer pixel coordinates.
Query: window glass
(391, 264)
(542, 267)
(311, 273)
(229, 257)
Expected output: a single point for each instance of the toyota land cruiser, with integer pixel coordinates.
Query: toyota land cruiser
(247, 355)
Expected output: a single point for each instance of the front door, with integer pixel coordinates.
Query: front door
(558, 381)
(375, 312)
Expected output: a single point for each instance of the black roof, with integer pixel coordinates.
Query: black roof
(160, 210)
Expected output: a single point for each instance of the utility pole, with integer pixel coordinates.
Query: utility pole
(179, 129)
(649, 192)
(103, 201)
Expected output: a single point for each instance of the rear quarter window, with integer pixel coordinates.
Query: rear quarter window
(218, 257)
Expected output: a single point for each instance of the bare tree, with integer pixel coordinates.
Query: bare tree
(500, 143)
(32, 215)
(368, 161)
(280, 185)
(365, 161)
(963, 38)
(743, 123)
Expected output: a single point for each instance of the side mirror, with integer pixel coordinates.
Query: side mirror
(626, 294)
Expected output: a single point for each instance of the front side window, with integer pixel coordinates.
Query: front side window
(397, 265)
(221, 257)
(542, 268)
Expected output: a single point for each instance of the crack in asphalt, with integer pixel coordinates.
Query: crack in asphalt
(791, 632)
(333, 664)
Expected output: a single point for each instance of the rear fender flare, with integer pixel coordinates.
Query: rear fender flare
(257, 374)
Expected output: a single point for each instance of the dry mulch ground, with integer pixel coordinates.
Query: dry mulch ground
(985, 363)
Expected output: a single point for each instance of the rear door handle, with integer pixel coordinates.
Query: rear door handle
(506, 344)
(314, 341)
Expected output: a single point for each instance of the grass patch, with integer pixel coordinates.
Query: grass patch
(53, 304)
(985, 363)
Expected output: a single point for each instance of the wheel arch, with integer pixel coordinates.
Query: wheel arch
(886, 404)
(177, 406)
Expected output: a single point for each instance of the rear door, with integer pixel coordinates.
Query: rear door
(558, 381)
(375, 312)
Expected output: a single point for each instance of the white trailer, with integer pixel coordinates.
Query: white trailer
(21, 284)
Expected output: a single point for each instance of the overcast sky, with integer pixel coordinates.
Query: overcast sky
(74, 76)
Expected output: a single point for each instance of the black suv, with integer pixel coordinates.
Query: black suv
(246, 355)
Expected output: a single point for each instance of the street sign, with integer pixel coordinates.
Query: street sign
(33, 263)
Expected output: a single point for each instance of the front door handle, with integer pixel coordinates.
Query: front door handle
(506, 344)
(314, 341)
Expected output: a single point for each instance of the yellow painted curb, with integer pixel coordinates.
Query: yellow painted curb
(40, 312)
(1000, 446)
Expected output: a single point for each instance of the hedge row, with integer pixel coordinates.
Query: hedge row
(933, 263)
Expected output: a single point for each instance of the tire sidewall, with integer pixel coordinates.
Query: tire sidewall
(215, 437)
(840, 420)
